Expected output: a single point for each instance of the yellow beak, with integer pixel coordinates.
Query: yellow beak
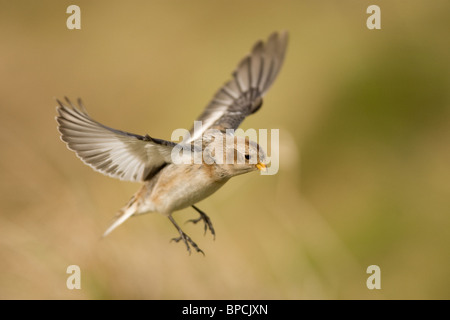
(261, 166)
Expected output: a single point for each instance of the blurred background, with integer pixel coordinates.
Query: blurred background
(364, 175)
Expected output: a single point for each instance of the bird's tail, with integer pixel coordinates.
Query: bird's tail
(124, 213)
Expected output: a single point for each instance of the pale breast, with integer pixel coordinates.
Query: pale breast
(180, 186)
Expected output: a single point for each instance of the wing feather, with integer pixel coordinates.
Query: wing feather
(115, 153)
(242, 95)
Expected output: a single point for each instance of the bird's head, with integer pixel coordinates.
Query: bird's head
(237, 155)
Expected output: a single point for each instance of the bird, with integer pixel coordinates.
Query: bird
(177, 175)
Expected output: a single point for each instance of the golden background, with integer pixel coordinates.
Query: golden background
(364, 166)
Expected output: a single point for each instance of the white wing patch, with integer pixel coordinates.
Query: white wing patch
(242, 95)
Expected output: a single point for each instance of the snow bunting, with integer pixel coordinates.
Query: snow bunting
(170, 185)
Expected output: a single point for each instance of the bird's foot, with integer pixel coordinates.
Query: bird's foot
(186, 239)
(206, 220)
(188, 242)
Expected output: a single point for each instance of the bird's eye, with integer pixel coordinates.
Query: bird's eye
(247, 156)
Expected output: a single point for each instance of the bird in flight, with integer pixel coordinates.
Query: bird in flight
(173, 176)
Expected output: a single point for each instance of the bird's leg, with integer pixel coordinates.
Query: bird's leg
(186, 239)
(206, 221)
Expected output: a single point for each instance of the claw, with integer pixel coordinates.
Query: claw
(186, 239)
(206, 220)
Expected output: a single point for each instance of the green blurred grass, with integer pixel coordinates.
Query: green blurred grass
(364, 174)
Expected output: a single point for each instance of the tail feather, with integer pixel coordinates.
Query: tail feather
(123, 215)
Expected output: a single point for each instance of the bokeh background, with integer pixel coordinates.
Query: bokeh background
(364, 140)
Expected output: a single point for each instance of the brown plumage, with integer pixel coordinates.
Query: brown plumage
(168, 183)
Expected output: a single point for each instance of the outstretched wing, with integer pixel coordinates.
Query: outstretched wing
(242, 95)
(115, 153)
